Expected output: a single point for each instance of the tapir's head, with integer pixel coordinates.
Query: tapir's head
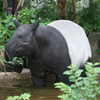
(22, 42)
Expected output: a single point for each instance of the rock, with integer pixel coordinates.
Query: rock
(25, 74)
(95, 57)
(93, 39)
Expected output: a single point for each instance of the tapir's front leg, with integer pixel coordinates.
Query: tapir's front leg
(38, 75)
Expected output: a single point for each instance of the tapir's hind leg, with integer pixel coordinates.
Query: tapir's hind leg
(61, 77)
(64, 79)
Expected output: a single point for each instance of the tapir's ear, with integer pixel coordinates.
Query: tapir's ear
(17, 24)
(35, 25)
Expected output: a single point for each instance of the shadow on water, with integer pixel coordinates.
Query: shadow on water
(18, 87)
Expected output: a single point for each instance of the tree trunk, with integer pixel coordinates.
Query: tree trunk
(61, 8)
(14, 6)
(5, 5)
(19, 7)
(75, 12)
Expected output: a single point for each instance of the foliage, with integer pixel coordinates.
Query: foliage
(84, 88)
(24, 96)
(46, 9)
(7, 26)
(27, 4)
(1, 7)
(26, 16)
(5, 65)
(6, 29)
(90, 17)
(69, 8)
(2, 57)
(1, 54)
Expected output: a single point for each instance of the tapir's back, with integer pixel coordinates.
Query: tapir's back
(78, 44)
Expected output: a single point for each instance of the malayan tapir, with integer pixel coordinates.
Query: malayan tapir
(49, 48)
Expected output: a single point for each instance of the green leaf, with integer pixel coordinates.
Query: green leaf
(72, 80)
(57, 83)
(75, 97)
(86, 82)
(16, 97)
(10, 98)
(80, 78)
(96, 88)
(74, 67)
(32, 21)
(66, 96)
(10, 62)
(93, 78)
(94, 82)
(62, 84)
(96, 64)
(83, 88)
(77, 74)
(68, 72)
(71, 77)
(68, 88)
(58, 86)
(73, 86)
(88, 68)
(78, 71)
(90, 90)
(89, 63)
(70, 67)
(62, 89)
(61, 96)
(80, 83)
(96, 70)
(94, 75)
(88, 74)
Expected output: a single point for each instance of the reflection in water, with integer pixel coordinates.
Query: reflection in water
(18, 87)
(14, 88)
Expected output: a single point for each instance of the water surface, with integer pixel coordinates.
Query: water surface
(18, 87)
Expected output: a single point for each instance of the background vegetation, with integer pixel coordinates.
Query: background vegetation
(83, 88)
(88, 18)
(46, 10)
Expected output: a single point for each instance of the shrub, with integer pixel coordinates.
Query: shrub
(6, 29)
(47, 10)
(26, 16)
(90, 17)
(24, 96)
(84, 88)
(7, 26)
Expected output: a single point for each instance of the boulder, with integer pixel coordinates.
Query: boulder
(25, 74)
(93, 39)
(95, 57)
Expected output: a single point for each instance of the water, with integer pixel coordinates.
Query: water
(18, 87)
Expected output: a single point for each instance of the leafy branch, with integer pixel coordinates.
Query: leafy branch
(84, 88)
